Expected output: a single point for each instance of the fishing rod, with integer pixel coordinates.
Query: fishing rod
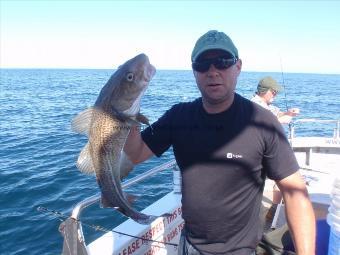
(290, 124)
(284, 86)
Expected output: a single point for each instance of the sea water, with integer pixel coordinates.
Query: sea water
(38, 150)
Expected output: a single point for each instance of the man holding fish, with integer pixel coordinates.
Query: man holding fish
(225, 146)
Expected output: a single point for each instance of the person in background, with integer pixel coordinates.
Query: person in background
(267, 89)
(225, 147)
(265, 94)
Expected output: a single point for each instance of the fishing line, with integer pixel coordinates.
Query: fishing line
(60, 216)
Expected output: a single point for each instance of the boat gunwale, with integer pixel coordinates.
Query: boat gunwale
(79, 207)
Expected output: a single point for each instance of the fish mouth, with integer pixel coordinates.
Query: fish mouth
(149, 72)
(149, 69)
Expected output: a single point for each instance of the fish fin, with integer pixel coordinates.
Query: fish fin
(166, 215)
(104, 203)
(81, 123)
(142, 119)
(126, 166)
(138, 217)
(144, 219)
(84, 162)
(130, 198)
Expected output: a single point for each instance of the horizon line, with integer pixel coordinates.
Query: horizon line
(160, 69)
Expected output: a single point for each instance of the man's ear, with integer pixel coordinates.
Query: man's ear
(239, 64)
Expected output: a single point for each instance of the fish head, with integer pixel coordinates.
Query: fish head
(126, 86)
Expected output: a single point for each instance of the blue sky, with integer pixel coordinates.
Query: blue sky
(302, 35)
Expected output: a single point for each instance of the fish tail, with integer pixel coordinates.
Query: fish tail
(143, 218)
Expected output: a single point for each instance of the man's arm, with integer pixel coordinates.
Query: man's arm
(135, 147)
(286, 117)
(299, 213)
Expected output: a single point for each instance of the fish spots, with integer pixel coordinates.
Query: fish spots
(107, 126)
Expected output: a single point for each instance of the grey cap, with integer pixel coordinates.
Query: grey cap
(213, 40)
(267, 83)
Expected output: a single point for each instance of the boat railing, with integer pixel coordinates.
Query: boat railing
(336, 132)
(77, 210)
(71, 228)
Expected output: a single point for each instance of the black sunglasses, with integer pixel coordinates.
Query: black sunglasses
(220, 63)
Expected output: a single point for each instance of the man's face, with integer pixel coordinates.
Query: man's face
(215, 84)
(269, 96)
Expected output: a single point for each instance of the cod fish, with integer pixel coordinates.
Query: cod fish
(107, 125)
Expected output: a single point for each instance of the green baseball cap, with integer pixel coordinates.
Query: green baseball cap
(213, 40)
(267, 83)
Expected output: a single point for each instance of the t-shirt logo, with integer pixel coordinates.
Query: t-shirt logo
(231, 155)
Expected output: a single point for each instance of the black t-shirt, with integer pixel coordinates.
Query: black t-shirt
(224, 159)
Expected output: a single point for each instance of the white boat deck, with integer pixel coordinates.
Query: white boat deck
(318, 159)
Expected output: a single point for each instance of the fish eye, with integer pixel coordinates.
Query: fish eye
(130, 76)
